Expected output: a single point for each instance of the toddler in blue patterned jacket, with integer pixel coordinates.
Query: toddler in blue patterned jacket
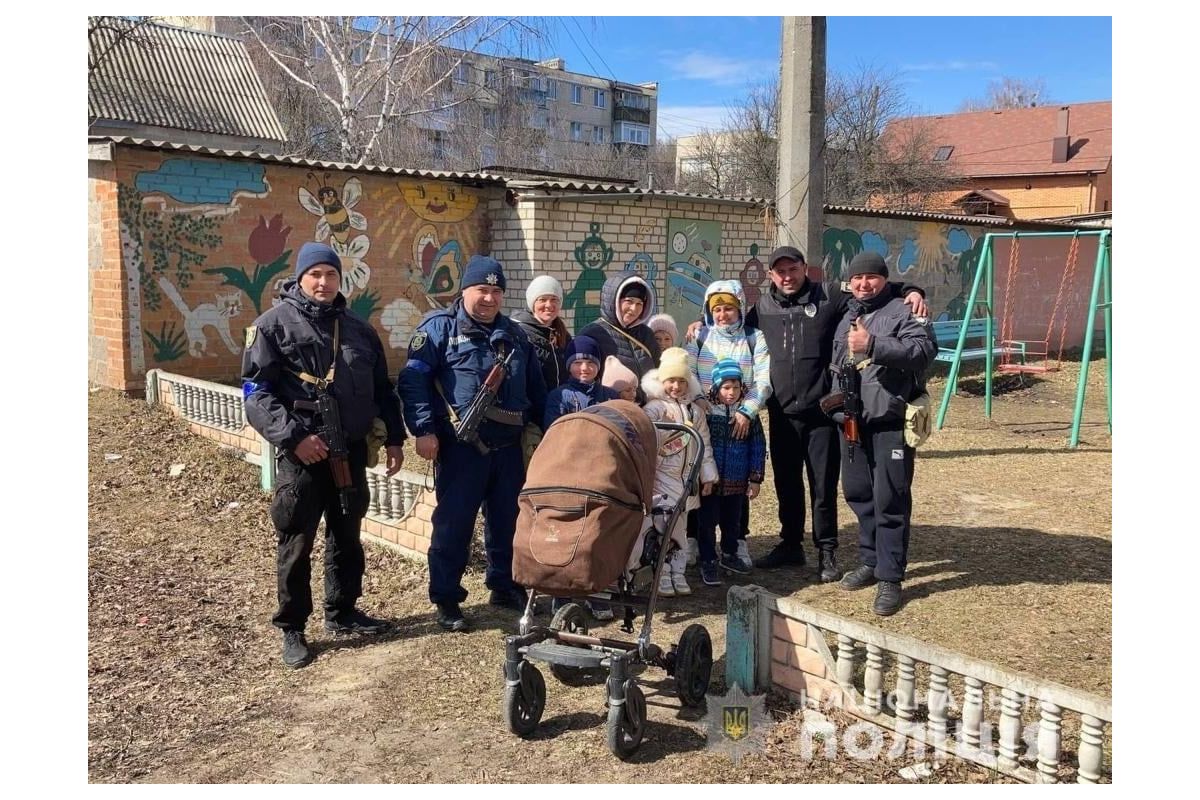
(740, 467)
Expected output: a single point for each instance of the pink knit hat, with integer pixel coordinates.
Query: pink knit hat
(617, 376)
(664, 322)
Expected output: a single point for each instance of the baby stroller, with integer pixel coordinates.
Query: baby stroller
(582, 510)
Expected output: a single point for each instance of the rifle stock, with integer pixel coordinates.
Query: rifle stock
(331, 432)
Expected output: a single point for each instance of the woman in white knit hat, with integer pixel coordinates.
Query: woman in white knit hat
(546, 331)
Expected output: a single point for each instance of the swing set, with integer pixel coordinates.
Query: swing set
(1026, 356)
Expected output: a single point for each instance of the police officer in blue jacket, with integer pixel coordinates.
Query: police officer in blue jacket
(309, 340)
(449, 357)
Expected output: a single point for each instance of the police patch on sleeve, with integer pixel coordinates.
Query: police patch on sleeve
(418, 340)
(251, 332)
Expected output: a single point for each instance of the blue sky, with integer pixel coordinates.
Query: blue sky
(702, 64)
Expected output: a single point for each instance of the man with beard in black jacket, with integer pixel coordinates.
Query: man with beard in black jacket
(309, 343)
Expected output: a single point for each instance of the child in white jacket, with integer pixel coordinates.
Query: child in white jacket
(670, 390)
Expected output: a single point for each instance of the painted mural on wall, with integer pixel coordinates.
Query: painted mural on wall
(939, 258)
(693, 262)
(207, 244)
(753, 276)
(641, 261)
(430, 218)
(593, 255)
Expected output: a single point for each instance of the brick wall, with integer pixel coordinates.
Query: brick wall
(560, 237)
(799, 665)
(204, 227)
(107, 347)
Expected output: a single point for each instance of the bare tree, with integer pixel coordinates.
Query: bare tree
(108, 34)
(1010, 93)
(374, 77)
(860, 164)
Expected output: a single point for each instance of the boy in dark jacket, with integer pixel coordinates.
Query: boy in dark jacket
(581, 389)
(740, 467)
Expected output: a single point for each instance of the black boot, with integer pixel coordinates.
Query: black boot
(827, 566)
(514, 597)
(451, 618)
(859, 578)
(295, 650)
(887, 599)
(782, 554)
(354, 621)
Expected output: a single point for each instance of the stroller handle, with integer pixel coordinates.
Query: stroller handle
(692, 432)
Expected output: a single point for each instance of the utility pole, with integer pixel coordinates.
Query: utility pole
(800, 189)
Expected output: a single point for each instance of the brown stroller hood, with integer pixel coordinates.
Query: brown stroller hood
(587, 490)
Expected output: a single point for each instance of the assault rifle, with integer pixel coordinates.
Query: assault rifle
(331, 432)
(850, 382)
(466, 430)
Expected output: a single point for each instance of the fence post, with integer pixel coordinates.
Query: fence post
(267, 471)
(741, 638)
(152, 387)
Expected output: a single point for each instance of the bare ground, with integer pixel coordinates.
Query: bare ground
(1010, 561)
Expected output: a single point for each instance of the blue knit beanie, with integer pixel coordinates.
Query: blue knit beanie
(483, 270)
(583, 347)
(313, 253)
(725, 369)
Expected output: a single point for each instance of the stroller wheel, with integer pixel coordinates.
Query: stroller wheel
(572, 619)
(627, 722)
(524, 702)
(693, 665)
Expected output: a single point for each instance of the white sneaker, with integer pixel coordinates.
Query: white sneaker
(666, 587)
(693, 552)
(681, 584)
(743, 554)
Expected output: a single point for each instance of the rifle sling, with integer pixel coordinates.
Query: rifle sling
(323, 383)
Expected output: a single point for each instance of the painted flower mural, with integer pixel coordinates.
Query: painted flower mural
(355, 272)
(267, 245)
(268, 240)
(400, 318)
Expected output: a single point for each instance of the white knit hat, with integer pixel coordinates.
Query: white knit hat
(542, 284)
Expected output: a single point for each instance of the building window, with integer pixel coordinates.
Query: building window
(576, 131)
(943, 153)
(489, 78)
(489, 119)
(462, 72)
(631, 100)
(576, 93)
(358, 55)
(598, 135)
(632, 133)
(489, 156)
(598, 98)
(551, 88)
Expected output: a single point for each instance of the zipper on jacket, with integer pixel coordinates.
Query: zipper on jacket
(584, 492)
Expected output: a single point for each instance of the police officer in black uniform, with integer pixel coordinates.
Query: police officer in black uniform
(449, 357)
(306, 342)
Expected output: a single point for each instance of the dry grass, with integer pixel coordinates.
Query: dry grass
(1010, 561)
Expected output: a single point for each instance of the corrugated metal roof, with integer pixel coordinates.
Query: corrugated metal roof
(614, 188)
(178, 78)
(978, 219)
(302, 162)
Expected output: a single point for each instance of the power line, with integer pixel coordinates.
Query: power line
(582, 52)
(611, 74)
